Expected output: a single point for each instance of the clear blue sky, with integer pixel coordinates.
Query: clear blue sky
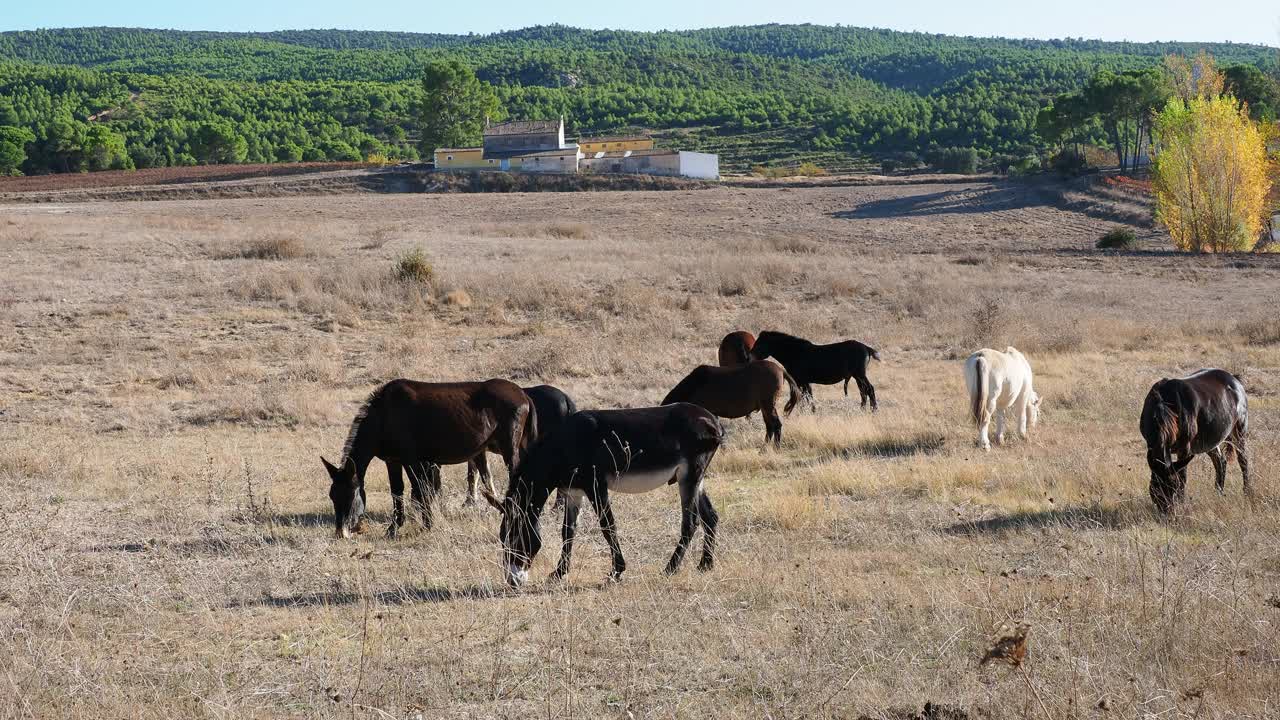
(1255, 21)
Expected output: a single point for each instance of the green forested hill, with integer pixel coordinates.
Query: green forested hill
(106, 97)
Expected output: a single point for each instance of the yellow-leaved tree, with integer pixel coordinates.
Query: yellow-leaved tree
(1210, 174)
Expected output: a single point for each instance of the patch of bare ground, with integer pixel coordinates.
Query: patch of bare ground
(166, 536)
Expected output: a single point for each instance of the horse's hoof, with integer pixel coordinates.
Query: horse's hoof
(614, 578)
(469, 502)
(706, 565)
(393, 531)
(556, 577)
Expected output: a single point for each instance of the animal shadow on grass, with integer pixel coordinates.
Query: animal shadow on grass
(894, 447)
(1092, 517)
(217, 546)
(399, 596)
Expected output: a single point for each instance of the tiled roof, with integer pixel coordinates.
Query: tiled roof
(459, 150)
(619, 138)
(523, 127)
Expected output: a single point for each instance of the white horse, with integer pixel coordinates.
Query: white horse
(999, 381)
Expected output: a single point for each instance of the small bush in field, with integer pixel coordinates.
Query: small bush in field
(1122, 238)
(414, 267)
(271, 247)
(990, 320)
(1259, 331)
(569, 231)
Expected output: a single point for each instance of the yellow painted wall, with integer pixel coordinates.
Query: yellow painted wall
(615, 145)
(467, 158)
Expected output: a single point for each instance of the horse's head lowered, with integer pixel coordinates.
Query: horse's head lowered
(519, 533)
(344, 491)
(1161, 427)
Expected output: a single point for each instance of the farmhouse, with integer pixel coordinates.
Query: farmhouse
(540, 146)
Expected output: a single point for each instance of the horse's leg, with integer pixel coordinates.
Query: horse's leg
(772, 426)
(567, 530)
(424, 482)
(434, 487)
(709, 519)
(1242, 457)
(486, 477)
(871, 393)
(689, 520)
(999, 426)
(807, 389)
(1180, 480)
(846, 387)
(600, 503)
(1219, 469)
(470, 500)
(396, 479)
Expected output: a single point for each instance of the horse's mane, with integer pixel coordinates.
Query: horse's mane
(369, 403)
(1165, 410)
(782, 338)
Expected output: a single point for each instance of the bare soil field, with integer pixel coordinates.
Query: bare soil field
(170, 373)
(165, 176)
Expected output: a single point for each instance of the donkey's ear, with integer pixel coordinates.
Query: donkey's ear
(333, 471)
(495, 502)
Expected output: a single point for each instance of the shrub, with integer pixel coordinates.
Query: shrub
(989, 323)
(1122, 238)
(1069, 162)
(960, 161)
(1028, 165)
(271, 247)
(414, 267)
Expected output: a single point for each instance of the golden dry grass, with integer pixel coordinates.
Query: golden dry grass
(166, 536)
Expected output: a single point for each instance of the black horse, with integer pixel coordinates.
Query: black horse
(1206, 412)
(813, 364)
(551, 406)
(602, 451)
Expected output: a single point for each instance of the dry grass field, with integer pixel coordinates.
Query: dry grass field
(170, 373)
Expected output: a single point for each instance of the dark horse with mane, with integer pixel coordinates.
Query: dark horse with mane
(599, 452)
(1206, 412)
(813, 364)
(412, 425)
(551, 406)
(734, 392)
(735, 348)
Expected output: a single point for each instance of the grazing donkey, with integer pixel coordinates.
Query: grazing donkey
(1206, 412)
(734, 392)
(551, 406)
(602, 451)
(813, 364)
(1000, 381)
(735, 348)
(411, 425)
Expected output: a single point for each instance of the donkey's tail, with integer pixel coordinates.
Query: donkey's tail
(978, 389)
(795, 393)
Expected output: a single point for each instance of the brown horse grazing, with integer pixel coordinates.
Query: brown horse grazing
(1206, 412)
(412, 425)
(734, 392)
(735, 348)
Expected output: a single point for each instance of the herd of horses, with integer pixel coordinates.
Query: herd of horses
(548, 444)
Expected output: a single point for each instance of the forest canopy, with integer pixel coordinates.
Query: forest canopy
(98, 98)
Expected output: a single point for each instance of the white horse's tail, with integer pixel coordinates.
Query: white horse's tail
(979, 390)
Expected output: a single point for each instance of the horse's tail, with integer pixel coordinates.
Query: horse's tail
(978, 390)
(529, 437)
(795, 393)
(875, 354)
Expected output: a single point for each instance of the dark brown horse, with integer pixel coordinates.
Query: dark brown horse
(1206, 412)
(551, 405)
(813, 364)
(596, 453)
(735, 348)
(411, 425)
(734, 392)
